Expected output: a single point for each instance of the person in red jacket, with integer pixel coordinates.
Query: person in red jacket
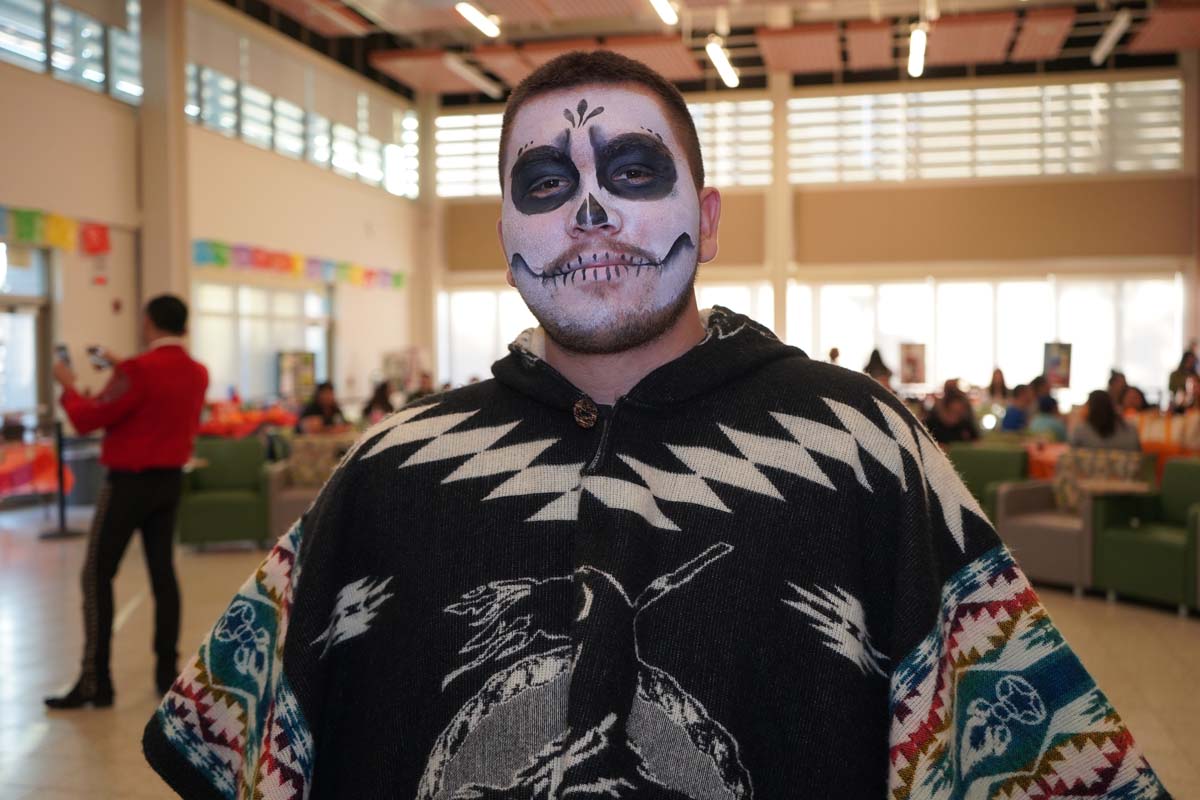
(150, 412)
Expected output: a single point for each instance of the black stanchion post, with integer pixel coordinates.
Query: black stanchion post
(62, 531)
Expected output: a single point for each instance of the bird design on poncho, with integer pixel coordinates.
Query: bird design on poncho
(631, 729)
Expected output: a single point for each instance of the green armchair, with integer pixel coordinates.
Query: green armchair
(984, 467)
(1146, 545)
(225, 497)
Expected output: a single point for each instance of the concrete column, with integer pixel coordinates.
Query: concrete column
(426, 278)
(779, 224)
(1190, 63)
(165, 262)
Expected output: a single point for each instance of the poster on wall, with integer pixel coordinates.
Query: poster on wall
(1056, 364)
(296, 375)
(912, 363)
(399, 367)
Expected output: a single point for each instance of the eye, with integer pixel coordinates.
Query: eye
(636, 175)
(548, 187)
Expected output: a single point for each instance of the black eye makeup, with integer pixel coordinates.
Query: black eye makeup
(542, 179)
(634, 166)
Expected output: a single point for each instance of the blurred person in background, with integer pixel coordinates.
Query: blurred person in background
(424, 389)
(951, 419)
(322, 414)
(997, 390)
(1177, 382)
(1116, 386)
(879, 370)
(1102, 427)
(1047, 420)
(1020, 407)
(1133, 401)
(150, 412)
(380, 404)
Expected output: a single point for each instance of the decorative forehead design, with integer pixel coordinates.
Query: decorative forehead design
(544, 118)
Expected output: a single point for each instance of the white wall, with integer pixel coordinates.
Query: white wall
(107, 315)
(243, 195)
(66, 149)
(70, 151)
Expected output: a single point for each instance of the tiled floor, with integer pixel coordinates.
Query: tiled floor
(1148, 660)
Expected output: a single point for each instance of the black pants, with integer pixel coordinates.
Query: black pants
(145, 501)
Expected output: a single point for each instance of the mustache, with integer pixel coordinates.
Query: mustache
(594, 252)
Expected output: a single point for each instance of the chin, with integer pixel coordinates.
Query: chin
(607, 320)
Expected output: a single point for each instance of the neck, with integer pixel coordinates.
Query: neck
(159, 338)
(608, 376)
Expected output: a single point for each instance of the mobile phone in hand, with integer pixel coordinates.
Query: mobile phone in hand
(62, 353)
(96, 356)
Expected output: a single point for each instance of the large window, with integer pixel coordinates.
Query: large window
(257, 117)
(475, 328)
(218, 101)
(468, 147)
(23, 33)
(253, 88)
(125, 83)
(969, 327)
(288, 128)
(736, 140)
(345, 150)
(239, 331)
(23, 282)
(78, 48)
(401, 164)
(755, 300)
(1055, 129)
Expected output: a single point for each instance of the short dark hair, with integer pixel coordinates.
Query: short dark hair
(579, 68)
(1038, 382)
(168, 313)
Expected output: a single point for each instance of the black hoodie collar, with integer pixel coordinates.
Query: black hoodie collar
(734, 345)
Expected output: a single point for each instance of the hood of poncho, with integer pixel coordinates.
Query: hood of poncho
(733, 346)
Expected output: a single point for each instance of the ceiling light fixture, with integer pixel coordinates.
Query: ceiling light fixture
(487, 25)
(665, 11)
(462, 69)
(1112, 34)
(720, 59)
(916, 50)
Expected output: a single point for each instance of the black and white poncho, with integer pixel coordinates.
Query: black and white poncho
(754, 576)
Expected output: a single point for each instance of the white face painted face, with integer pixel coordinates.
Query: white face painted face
(601, 217)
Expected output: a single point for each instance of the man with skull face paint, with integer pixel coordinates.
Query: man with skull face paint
(660, 555)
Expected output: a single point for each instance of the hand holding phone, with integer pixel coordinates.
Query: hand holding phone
(62, 353)
(99, 357)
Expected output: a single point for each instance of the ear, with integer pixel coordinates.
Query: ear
(508, 276)
(710, 218)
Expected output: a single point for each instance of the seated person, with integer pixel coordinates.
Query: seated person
(322, 414)
(380, 404)
(1133, 401)
(424, 389)
(1102, 427)
(951, 420)
(1048, 420)
(1016, 416)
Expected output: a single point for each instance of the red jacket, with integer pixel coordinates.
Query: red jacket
(150, 410)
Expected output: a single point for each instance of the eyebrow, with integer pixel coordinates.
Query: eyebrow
(628, 141)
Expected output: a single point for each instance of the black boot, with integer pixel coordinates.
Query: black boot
(164, 675)
(97, 692)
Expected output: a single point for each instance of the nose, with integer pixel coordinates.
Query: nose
(591, 216)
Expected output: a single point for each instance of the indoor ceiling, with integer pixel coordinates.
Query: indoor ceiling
(818, 41)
